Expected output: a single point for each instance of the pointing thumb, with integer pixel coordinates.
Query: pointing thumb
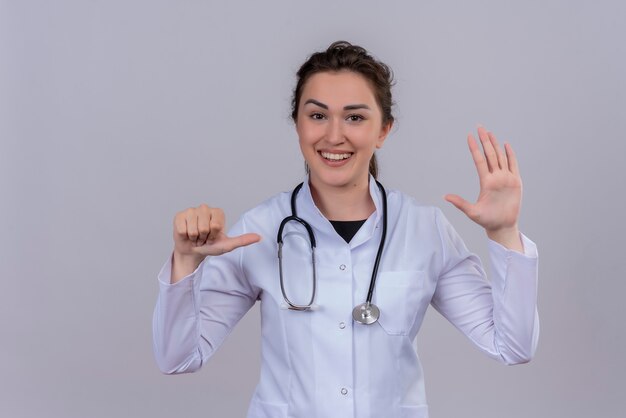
(240, 241)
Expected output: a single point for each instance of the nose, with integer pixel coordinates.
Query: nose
(334, 133)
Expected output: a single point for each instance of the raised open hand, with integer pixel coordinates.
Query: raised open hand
(498, 205)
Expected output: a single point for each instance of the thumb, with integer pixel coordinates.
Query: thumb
(231, 243)
(461, 204)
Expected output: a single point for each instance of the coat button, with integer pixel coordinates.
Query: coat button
(342, 325)
(342, 267)
(344, 391)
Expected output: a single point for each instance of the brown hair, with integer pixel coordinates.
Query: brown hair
(342, 55)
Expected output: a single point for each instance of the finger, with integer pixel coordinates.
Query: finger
(231, 243)
(490, 153)
(191, 217)
(217, 223)
(478, 157)
(204, 227)
(180, 225)
(499, 152)
(512, 159)
(462, 204)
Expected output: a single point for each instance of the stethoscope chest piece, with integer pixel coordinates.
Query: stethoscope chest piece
(366, 313)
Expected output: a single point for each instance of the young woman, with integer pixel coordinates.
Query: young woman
(343, 268)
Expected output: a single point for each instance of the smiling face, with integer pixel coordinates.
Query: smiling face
(339, 124)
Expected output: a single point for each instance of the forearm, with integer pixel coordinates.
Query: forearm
(193, 316)
(515, 301)
(498, 315)
(175, 323)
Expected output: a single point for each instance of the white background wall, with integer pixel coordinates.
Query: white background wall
(114, 115)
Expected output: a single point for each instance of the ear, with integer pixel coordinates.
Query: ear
(384, 131)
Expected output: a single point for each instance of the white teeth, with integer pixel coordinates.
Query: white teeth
(335, 157)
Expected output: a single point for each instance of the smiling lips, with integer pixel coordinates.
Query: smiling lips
(335, 156)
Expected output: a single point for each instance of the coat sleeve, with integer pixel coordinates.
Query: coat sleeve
(499, 317)
(193, 316)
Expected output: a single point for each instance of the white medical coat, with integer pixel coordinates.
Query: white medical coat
(320, 363)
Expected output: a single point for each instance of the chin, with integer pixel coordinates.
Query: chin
(334, 179)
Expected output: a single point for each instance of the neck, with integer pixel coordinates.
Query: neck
(351, 202)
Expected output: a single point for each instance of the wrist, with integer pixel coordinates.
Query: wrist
(187, 259)
(183, 265)
(508, 237)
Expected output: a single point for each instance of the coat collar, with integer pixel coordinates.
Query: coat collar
(307, 210)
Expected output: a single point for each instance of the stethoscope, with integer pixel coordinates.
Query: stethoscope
(365, 313)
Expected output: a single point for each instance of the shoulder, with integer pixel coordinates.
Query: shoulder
(416, 218)
(265, 214)
(401, 204)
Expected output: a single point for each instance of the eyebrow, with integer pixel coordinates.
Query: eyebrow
(348, 107)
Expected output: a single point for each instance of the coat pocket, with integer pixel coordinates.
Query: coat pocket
(398, 295)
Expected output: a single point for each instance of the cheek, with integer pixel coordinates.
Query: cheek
(301, 132)
(308, 133)
(366, 137)
(305, 142)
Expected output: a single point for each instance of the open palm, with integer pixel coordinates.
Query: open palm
(499, 201)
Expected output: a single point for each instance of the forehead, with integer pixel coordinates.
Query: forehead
(338, 88)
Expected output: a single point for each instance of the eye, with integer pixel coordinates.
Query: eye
(317, 116)
(355, 118)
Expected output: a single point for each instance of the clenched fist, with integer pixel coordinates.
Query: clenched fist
(199, 232)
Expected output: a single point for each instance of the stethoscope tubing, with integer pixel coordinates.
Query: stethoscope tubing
(366, 313)
(381, 246)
